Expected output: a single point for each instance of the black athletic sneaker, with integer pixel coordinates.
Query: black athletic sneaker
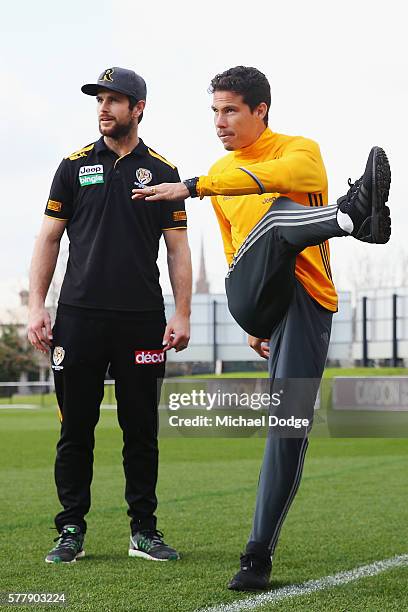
(149, 544)
(254, 574)
(69, 546)
(366, 198)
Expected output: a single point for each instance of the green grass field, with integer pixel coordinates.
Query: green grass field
(351, 510)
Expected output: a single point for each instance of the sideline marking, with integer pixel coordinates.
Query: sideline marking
(35, 407)
(311, 586)
(19, 407)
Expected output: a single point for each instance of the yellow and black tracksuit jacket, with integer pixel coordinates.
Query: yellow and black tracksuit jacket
(283, 165)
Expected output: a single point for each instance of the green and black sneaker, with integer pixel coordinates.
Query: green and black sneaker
(149, 544)
(69, 546)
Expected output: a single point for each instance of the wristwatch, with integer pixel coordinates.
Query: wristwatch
(191, 185)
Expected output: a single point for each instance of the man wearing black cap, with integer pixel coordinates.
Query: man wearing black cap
(110, 312)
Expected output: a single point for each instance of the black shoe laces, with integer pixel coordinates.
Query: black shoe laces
(246, 561)
(67, 540)
(252, 562)
(155, 536)
(353, 189)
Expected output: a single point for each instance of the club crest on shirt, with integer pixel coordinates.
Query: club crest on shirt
(58, 357)
(143, 176)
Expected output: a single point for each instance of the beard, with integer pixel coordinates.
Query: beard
(117, 131)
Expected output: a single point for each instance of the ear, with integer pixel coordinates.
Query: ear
(138, 109)
(261, 110)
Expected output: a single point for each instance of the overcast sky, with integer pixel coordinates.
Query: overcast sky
(338, 73)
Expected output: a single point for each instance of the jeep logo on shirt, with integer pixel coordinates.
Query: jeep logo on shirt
(90, 175)
(149, 357)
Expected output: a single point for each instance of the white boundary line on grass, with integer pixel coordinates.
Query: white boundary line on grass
(35, 407)
(311, 586)
(19, 407)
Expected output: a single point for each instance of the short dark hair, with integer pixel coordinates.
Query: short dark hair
(132, 103)
(249, 82)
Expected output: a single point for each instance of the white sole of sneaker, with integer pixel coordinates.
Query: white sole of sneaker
(80, 555)
(139, 553)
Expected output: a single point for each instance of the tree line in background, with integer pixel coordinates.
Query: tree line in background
(374, 270)
(17, 356)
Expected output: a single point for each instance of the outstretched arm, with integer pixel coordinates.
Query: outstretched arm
(300, 169)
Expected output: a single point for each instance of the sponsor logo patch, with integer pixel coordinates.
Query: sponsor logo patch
(58, 357)
(149, 357)
(54, 205)
(91, 175)
(143, 176)
(179, 215)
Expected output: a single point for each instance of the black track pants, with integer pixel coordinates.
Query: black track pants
(261, 280)
(130, 344)
(268, 301)
(298, 350)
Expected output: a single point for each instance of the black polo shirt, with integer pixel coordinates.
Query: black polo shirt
(114, 240)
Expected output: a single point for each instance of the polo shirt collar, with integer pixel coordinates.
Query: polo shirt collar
(139, 150)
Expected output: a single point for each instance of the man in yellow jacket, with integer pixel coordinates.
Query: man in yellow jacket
(270, 197)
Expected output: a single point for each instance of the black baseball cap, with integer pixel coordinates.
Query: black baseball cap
(118, 79)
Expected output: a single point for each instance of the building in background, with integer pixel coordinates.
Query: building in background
(373, 331)
(381, 327)
(202, 284)
(218, 344)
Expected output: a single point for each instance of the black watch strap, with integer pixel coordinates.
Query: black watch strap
(191, 185)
